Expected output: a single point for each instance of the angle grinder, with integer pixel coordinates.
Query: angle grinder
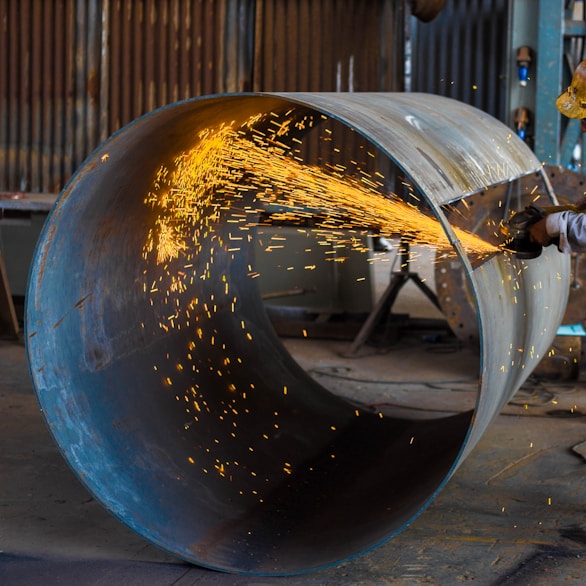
(516, 229)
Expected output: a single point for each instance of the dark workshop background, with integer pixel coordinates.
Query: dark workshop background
(78, 70)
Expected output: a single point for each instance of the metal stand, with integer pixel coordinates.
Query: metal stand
(387, 299)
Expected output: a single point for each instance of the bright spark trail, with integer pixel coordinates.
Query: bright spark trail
(228, 163)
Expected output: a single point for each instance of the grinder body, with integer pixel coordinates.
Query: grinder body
(517, 229)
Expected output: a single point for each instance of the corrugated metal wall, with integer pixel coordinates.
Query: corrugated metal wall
(462, 54)
(161, 51)
(75, 71)
(329, 45)
(49, 90)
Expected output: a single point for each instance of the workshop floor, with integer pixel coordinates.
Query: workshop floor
(514, 513)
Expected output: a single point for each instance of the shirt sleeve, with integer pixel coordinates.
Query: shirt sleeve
(570, 227)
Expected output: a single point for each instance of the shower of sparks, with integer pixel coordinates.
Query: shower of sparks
(212, 179)
(205, 206)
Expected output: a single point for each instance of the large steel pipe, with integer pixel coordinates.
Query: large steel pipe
(161, 377)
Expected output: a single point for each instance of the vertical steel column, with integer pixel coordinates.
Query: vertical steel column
(549, 59)
(570, 128)
(555, 136)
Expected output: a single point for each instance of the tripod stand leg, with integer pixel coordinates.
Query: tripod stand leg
(382, 307)
(425, 290)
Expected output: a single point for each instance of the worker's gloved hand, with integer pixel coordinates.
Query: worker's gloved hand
(538, 233)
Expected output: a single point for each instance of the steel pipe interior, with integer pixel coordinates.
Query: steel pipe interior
(166, 388)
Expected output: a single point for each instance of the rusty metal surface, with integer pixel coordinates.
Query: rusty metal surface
(206, 437)
(42, 202)
(486, 213)
(449, 162)
(48, 91)
(78, 70)
(329, 46)
(159, 52)
(450, 56)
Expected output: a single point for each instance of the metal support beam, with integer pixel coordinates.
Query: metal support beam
(561, 35)
(549, 79)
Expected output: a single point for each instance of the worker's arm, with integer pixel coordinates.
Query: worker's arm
(568, 226)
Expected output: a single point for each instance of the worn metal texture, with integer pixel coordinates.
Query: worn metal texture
(49, 91)
(451, 56)
(452, 148)
(340, 45)
(76, 71)
(180, 409)
(171, 50)
(487, 211)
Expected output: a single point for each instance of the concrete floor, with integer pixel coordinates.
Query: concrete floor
(513, 513)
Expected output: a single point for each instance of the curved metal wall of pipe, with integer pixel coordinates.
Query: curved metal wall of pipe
(209, 439)
(457, 306)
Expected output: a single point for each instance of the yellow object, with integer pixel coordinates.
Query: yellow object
(572, 103)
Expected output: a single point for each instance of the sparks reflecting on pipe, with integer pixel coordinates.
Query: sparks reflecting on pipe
(212, 180)
(211, 203)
